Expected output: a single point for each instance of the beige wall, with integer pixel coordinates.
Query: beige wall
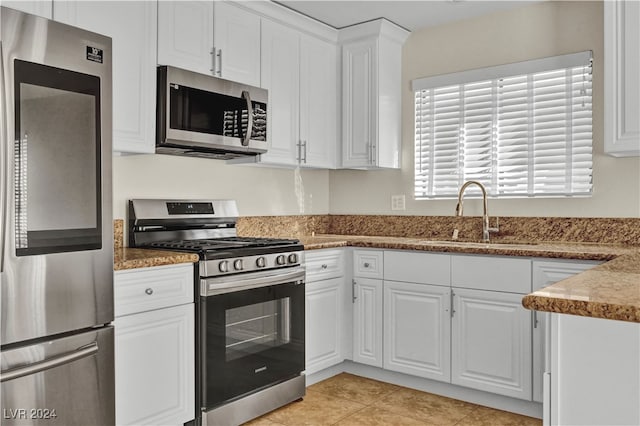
(532, 31)
(259, 190)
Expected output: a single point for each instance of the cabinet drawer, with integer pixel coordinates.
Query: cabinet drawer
(145, 289)
(367, 263)
(324, 264)
(510, 275)
(415, 267)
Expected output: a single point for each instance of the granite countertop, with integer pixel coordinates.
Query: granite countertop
(131, 258)
(610, 290)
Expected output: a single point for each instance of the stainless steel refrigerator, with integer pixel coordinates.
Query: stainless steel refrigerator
(56, 257)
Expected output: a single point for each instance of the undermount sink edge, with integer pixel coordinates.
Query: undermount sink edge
(479, 243)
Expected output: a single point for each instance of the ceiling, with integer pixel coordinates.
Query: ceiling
(412, 15)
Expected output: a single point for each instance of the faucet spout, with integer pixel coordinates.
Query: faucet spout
(485, 215)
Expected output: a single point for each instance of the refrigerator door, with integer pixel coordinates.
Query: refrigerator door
(57, 227)
(67, 381)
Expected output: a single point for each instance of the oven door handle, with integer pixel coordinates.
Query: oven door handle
(214, 286)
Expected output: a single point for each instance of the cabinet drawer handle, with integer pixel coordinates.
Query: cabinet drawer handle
(324, 266)
(149, 291)
(366, 264)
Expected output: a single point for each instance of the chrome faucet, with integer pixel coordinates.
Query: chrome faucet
(485, 215)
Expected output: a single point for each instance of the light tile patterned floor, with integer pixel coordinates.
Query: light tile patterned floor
(348, 400)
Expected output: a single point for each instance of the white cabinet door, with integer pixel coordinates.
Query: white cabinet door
(281, 77)
(318, 102)
(546, 273)
(417, 330)
(185, 35)
(359, 106)
(324, 302)
(491, 343)
(133, 29)
(367, 321)
(42, 8)
(371, 94)
(621, 71)
(236, 35)
(155, 367)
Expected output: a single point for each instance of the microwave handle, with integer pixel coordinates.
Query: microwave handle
(247, 136)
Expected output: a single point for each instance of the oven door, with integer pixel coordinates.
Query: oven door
(251, 338)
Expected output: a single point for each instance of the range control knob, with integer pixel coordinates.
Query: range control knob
(261, 262)
(280, 260)
(237, 264)
(223, 266)
(293, 258)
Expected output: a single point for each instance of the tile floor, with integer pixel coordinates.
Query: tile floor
(348, 400)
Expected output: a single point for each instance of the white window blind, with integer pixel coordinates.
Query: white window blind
(523, 132)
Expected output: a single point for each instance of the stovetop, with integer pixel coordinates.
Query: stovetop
(228, 247)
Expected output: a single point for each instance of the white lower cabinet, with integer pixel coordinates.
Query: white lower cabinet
(154, 345)
(367, 321)
(324, 309)
(417, 330)
(324, 302)
(154, 359)
(545, 273)
(491, 342)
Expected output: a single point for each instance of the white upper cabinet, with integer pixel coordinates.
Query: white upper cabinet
(236, 40)
(371, 94)
(281, 77)
(299, 71)
(318, 102)
(40, 8)
(185, 36)
(133, 29)
(622, 84)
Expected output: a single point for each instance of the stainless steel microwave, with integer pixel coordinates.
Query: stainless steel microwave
(205, 116)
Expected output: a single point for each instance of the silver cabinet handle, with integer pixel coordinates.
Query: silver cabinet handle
(451, 304)
(47, 364)
(247, 97)
(216, 53)
(324, 266)
(149, 291)
(353, 291)
(373, 153)
(299, 146)
(304, 160)
(535, 319)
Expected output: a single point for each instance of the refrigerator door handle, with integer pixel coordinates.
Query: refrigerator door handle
(47, 364)
(4, 163)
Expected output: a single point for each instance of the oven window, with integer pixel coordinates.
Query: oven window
(255, 328)
(57, 160)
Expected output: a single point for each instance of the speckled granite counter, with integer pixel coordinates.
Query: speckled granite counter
(610, 291)
(131, 258)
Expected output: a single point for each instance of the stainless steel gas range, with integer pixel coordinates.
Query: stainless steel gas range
(250, 309)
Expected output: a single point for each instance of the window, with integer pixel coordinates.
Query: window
(522, 129)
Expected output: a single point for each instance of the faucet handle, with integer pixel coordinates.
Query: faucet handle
(497, 227)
